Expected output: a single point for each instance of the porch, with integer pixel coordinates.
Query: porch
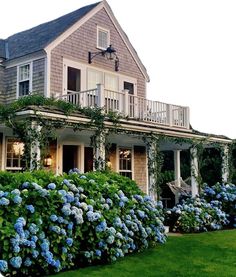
(131, 106)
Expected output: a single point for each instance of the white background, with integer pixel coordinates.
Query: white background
(187, 46)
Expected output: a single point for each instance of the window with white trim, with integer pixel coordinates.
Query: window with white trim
(94, 77)
(24, 79)
(103, 38)
(14, 153)
(125, 162)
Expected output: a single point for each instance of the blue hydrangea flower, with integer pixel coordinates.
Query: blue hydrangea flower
(98, 252)
(69, 241)
(83, 177)
(101, 227)
(53, 218)
(17, 199)
(64, 250)
(33, 228)
(60, 219)
(16, 249)
(51, 186)
(56, 229)
(35, 254)
(45, 246)
(70, 226)
(3, 266)
(16, 261)
(1, 195)
(16, 191)
(27, 262)
(25, 185)
(30, 208)
(4, 201)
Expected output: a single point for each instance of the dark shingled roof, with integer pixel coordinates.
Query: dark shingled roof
(2, 49)
(39, 37)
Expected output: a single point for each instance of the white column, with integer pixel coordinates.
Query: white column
(225, 164)
(151, 153)
(35, 153)
(99, 151)
(101, 95)
(126, 102)
(177, 171)
(194, 171)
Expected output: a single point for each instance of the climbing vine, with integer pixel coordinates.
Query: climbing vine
(39, 129)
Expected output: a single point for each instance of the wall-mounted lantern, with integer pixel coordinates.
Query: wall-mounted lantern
(109, 54)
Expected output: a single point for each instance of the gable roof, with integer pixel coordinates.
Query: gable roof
(39, 37)
(47, 35)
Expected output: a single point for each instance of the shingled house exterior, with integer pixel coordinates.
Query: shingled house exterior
(69, 59)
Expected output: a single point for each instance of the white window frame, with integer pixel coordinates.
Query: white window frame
(132, 160)
(108, 37)
(6, 144)
(84, 68)
(28, 79)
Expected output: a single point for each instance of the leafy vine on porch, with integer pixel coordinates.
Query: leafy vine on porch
(25, 127)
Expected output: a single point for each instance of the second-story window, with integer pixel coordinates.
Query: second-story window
(24, 79)
(103, 38)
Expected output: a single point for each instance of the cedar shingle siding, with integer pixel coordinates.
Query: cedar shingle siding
(76, 48)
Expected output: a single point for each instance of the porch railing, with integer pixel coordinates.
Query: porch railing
(133, 106)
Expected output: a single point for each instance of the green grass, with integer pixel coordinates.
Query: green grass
(207, 254)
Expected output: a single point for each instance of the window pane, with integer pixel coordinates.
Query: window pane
(111, 82)
(24, 72)
(73, 82)
(23, 88)
(126, 174)
(15, 150)
(125, 162)
(129, 87)
(94, 78)
(103, 39)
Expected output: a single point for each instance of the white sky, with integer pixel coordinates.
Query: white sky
(187, 46)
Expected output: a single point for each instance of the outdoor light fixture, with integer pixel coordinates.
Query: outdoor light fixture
(47, 161)
(109, 54)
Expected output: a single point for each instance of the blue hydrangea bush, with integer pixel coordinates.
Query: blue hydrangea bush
(226, 195)
(196, 215)
(49, 224)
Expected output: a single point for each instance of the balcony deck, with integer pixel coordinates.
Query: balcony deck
(131, 106)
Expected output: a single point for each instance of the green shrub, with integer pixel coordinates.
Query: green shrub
(49, 223)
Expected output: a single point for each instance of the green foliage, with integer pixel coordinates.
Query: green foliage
(50, 223)
(38, 128)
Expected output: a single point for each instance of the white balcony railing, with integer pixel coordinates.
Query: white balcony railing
(132, 106)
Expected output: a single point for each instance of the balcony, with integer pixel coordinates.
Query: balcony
(131, 106)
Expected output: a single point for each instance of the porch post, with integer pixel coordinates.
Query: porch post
(194, 171)
(177, 171)
(99, 151)
(151, 153)
(225, 164)
(101, 95)
(35, 153)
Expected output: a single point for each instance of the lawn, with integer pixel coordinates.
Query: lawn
(206, 254)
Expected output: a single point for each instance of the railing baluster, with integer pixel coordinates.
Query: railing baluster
(131, 105)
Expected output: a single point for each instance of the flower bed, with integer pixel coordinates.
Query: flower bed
(196, 215)
(226, 195)
(48, 223)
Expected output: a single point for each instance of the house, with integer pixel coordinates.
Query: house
(85, 58)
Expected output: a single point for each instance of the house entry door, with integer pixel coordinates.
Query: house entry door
(70, 157)
(88, 159)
